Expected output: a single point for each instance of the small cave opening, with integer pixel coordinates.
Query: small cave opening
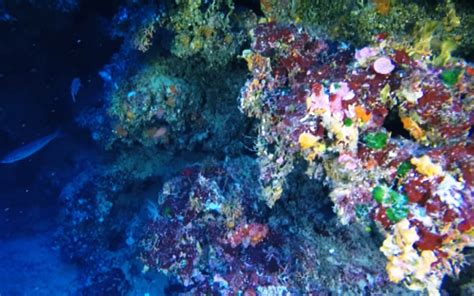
(394, 125)
(307, 199)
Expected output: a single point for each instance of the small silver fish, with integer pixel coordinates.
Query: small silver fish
(75, 86)
(105, 75)
(29, 149)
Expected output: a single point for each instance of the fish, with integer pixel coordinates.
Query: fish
(75, 86)
(29, 149)
(105, 75)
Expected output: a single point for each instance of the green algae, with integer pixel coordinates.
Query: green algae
(451, 76)
(395, 214)
(378, 194)
(376, 140)
(347, 121)
(403, 169)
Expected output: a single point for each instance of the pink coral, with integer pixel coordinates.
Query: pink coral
(348, 161)
(363, 54)
(342, 90)
(318, 101)
(339, 92)
(383, 65)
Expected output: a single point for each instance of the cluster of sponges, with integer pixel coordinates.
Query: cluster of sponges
(406, 263)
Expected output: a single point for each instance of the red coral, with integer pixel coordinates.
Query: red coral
(381, 217)
(428, 240)
(417, 189)
(247, 234)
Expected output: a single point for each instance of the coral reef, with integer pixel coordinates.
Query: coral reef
(209, 231)
(357, 22)
(196, 224)
(169, 103)
(314, 100)
(212, 30)
(162, 93)
(381, 135)
(152, 106)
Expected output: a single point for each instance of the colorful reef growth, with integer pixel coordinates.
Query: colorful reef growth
(356, 22)
(200, 228)
(209, 231)
(342, 111)
(212, 31)
(151, 107)
(165, 87)
(382, 134)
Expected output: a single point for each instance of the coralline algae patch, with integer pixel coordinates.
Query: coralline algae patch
(333, 108)
(211, 233)
(202, 231)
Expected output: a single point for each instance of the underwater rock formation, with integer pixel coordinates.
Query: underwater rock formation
(315, 101)
(356, 22)
(380, 135)
(209, 230)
